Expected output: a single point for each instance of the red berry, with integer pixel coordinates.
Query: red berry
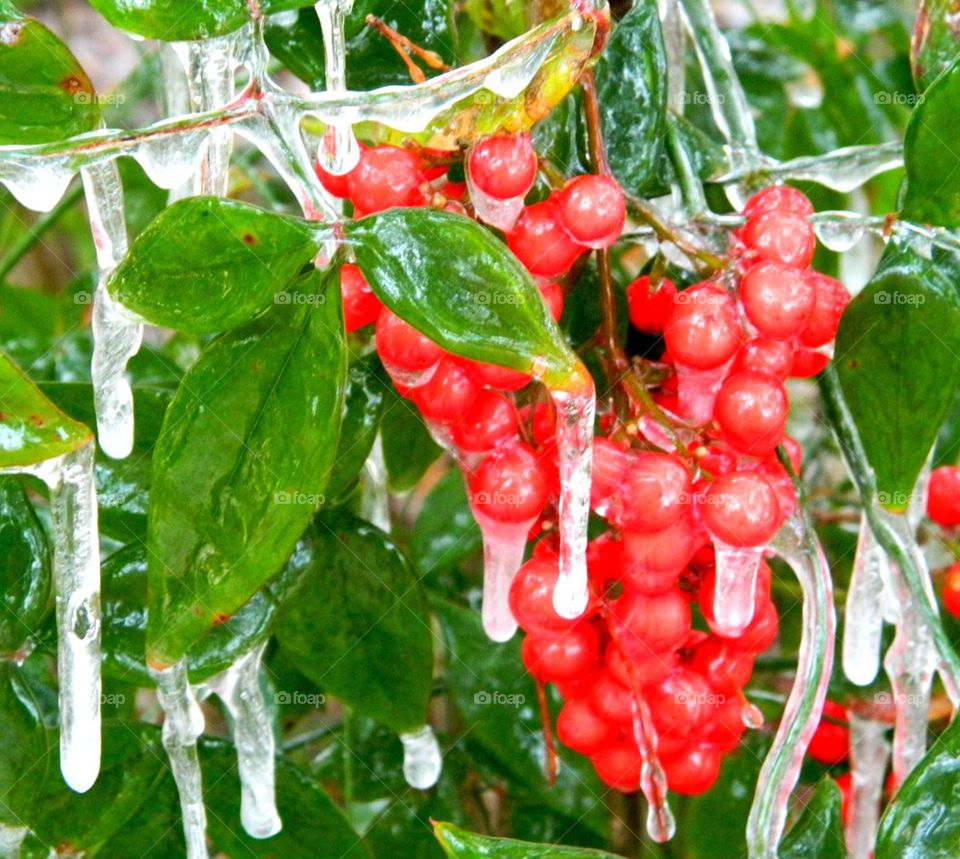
(552, 294)
(648, 625)
(943, 496)
(778, 198)
(610, 462)
(511, 484)
(386, 176)
(336, 185)
(778, 299)
(654, 491)
(619, 767)
(639, 672)
(830, 743)
(784, 237)
(490, 419)
(681, 703)
(665, 551)
(751, 410)
(402, 346)
(561, 655)
(539, 241)
(592, 210)
(741, 509)
(727, 728)
(807, 363)
(360, 306)
(703, 330)
(581, 729)
(531, 595)
(693, 771)
(761, 599)
(611, 699)
(951, 590)
(764, 355)
(832, 299)
(499, 378)
(448, 393)
(728, 667)
(761, 633)
(650, 310)
(503, 166)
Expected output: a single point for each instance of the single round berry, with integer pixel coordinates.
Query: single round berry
(490, 420)
(830, 743)
(447, 395)
(741, 509)
(832, 299)
(581, 729)
(510, 485)
(778, 198)
(665, 551)
(943, 496)
(727, 727)
(751, 410)
(552, 294)
(703, 331)
(648, 624)
(784, 237)
(765, 355)
(777, 299)
(728, 667)
(592, 210)
(650, 306)
(655, 490)
(681, 703)
(402, 346)
(539, 241)
(561, 655)
(693, 771)
(499, 378)
(610, 462)
(531, 595)
(619, 767)
(611, 699)
(360, 306)
(503, 166)
(386, 176)
(951, 590)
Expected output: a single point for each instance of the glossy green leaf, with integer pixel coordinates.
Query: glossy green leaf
(631, 80)
(32, 429)
(920, 823)
(25, 571)
(358, 625)
(175, 22)
(896, 360)
(27, 746)
(934, 46)
(408, 448)
(505, 19)
(454, 281)
(44, 93)
(208, 264)
(932, 193)
(241, 464)
(818, 832)
(445, 531)
(459, 844)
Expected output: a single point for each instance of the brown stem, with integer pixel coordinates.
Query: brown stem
(404, 47)
(707, 261)
(550, 757)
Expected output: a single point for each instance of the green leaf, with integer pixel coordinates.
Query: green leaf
(896, 360)
(934, 45)
(207, 264)
(358, 626)
(818, 832)
(460, 844)
(26, 757)
(505, 19)
(445, 532)
(932, 193)
(25, 572)
(631, 80)
(241, 464)
(174, 22)
(920, 823)
(408, 448)
(44, 93)
(32, 429)
(456, 283)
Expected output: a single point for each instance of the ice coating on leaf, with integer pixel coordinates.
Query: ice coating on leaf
(574, 434)
(182, 726)
(503, 547)
(239, 689)
(869, 751)
(844, 170)
(374, 498)
(797, 545)
(733, 602)
(863, 613)
(339, 151)
(422, 759)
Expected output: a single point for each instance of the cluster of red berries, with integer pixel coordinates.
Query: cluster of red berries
(943, 507)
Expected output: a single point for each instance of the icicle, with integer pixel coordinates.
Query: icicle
(38, 184)
(182, 726)
(117, 334)
(239, 689)
(733, 604)
(11, 837)
(374, 498)
(653, 782)
(503, 547)
(869, 751)
(863, 618)
(843, 170)
(798, 546)
(575, 411)
(422, 759)
(339, 151)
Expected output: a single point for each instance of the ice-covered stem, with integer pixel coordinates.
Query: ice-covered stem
(692, 200)
(339, 151)
(239, 689)
(797, 544)
(117, 334)
(422, 760)
(869, 751)
(863, 615)
(182, 726)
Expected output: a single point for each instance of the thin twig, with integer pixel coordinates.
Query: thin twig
(404, 47)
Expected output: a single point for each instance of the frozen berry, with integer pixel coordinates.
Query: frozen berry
(703, 331)
(503, 166)
(741, 509)
(402, 346)
(943, 496)
(360, 306)
(785, 237)
(830, 743)
(777, 299)
(539, 241)
(386, 176)
(592, 210)
(490, 419)
(650, 305)
(511, 484)
(751, 410)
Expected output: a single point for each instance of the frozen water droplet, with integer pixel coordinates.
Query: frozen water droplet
(409, 378)
(503, 546)
(863, 618)
(752, 716)
(839, 234)
(502, 214)
(422, 759)
(733, 603)
(339, 151)
(653, 781)
(37, 182)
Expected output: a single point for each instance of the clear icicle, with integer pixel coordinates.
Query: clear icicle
(422, 759)
(798, 546)
(182, 726)
(339, 150)
(374, 498)
(840, 234)
(37, 184)
(737, 569)
(239, 689)
(863, 618)
(653, 782)
(503, 546)
(869, 752)
(502, 214)
(575, 411)
(117, 334)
